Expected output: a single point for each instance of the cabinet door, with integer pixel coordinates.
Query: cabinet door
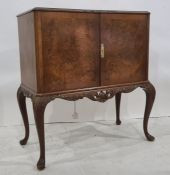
(70, 49)
(125, 40)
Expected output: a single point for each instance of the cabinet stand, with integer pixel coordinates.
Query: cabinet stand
(40, 102)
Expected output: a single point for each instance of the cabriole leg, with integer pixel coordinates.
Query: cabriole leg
(22, 105)
(150, 97)
(39, 105)
(117, 101)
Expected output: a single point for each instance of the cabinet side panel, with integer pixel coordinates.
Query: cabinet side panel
(27, 51)
(125, 37)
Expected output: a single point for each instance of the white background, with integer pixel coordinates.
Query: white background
(60, 110)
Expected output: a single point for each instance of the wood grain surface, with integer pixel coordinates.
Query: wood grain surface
(27, 51)
(60, 51)
(125, 38)
(70, 50)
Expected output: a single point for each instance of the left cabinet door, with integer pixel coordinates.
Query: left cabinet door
(70, 50)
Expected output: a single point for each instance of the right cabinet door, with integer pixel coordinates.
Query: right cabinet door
(125, 41)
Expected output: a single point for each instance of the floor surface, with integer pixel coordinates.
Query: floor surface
(91, 148)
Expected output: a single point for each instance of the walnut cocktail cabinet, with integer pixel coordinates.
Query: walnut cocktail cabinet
(71, 54)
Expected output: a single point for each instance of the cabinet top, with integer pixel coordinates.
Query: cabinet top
(81, 11)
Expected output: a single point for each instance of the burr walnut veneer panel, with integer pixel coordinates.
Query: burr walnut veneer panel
(125, 37)
(70, 44)
(28, 58)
